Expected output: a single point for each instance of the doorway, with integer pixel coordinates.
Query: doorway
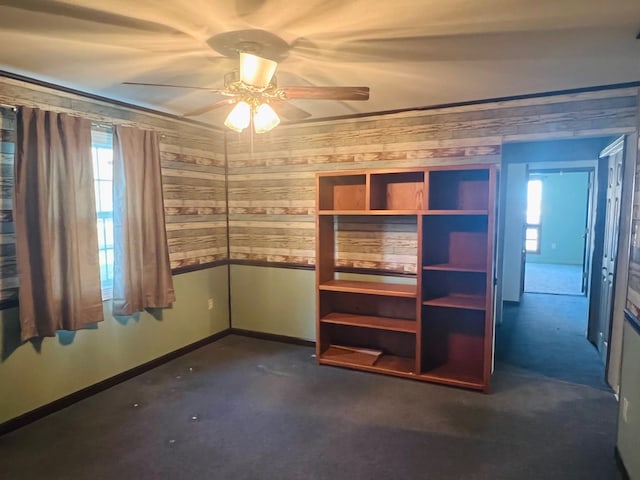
(551, 327)
(557, 230)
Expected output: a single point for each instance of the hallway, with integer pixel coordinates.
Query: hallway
(546, 336)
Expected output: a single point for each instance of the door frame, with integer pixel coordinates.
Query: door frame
(614, 352)
(612, 366)
(590, 210)
(588, 241)
(599, 240)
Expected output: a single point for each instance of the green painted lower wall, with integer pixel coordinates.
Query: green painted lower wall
(33, 376)
(629, 427)
(280, 301)
(564, 213)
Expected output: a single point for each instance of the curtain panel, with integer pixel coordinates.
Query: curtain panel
(142, 272)
(55, 224)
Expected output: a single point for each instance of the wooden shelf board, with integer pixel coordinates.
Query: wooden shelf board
(371, 288)
(343, 212)
(368, 212)
(455, 212)
(469, 302)
(393, 212)
(379, 323)
(403, 212)
(450, 375)
(449, 267)
(389, 364)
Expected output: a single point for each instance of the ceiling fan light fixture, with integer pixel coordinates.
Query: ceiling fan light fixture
(239, 118)
(265, 118)
(256, 71)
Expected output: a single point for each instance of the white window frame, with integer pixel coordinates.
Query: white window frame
(101, 144)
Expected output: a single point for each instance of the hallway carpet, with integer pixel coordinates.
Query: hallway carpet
(243, 408)
(553, 278)
(546, 335)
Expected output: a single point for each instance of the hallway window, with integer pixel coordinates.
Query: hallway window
(534, 216)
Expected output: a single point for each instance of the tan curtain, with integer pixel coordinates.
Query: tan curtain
(142, 273)
(55, 222)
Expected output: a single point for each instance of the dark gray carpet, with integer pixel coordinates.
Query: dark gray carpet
(546, 335)
(243, 408)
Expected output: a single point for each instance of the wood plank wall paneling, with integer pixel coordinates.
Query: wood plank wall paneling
(387, 243)
(8, 268)
(272, 190)
(193, 179)
(193, 175)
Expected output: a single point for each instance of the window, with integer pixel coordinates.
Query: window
(534, 216)
(102, 148)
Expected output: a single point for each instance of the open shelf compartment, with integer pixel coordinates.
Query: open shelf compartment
(398, 191)
(454, 289)
(459, 189)
(458, 241)
(342, 192)
(453, 346)
(368, 311)
(385, 351)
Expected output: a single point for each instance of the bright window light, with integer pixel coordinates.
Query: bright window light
(534, 201)
(102, 153)
(534, 216)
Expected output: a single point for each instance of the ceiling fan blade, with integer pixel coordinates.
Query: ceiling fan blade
(212, 106)
(213, 90)
(256, 71)
(325, 93)
(289, 111)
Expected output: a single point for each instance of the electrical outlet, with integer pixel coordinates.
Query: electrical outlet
(625, 410)
(210, 304)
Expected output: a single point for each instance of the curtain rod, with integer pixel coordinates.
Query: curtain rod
(98, 123)
(101, 123)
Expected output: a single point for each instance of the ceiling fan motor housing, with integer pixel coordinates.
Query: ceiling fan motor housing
(233, 77)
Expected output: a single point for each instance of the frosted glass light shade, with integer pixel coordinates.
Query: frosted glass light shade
(265, 118)
(239, 118)
(256, 71)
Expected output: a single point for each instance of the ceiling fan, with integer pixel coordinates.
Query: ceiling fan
(254, 91)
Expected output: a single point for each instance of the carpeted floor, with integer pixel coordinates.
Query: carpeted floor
(553, 278)
(546, 335)
(243, 408)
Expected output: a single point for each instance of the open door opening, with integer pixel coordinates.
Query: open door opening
(561, 211)
(557, 230)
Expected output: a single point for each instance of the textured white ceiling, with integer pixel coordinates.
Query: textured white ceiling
(411, 53)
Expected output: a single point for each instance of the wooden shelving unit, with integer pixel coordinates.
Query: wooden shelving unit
(438, 328)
